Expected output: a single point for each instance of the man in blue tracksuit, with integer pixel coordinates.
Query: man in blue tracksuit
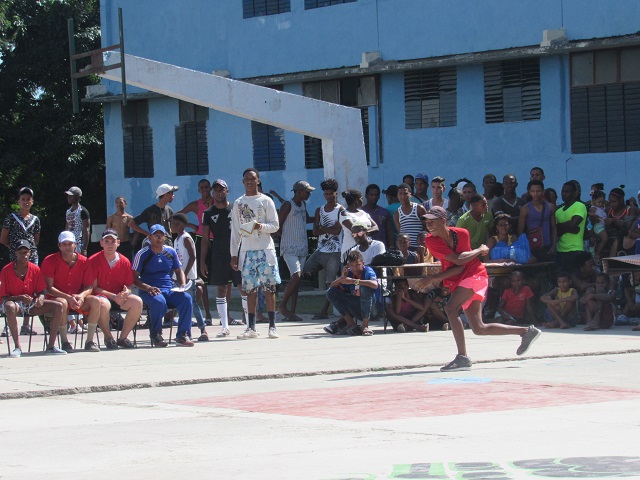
(153, 267)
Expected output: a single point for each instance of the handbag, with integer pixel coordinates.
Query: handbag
(390, 258)
(535, 236)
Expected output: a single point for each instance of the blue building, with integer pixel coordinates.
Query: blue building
(457, 88)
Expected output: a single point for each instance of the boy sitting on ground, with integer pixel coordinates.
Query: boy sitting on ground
(561, 311)
(516, 303)
(598, 307)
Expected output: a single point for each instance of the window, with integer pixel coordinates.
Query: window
(512, 90)
(605, 101)
(192, 153)
(430, 98)
(137, 138)
(260, 8)
(358, 92)
(310, 4)
(268, 147)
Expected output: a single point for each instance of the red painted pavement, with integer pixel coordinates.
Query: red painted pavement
(394, 401)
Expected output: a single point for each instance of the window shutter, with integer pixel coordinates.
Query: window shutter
(430, 98)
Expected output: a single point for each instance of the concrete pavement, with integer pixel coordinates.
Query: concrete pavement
(303, 349)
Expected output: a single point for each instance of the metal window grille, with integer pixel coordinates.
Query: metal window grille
(512, 90)
(310, 4)
(268, 147)
(138, 152)
(430, 98)
(260, 8)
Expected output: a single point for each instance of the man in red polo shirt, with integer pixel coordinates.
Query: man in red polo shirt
(66, 275)
(112, 279)
(22, 290)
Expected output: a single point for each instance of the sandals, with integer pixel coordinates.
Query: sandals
(293, 318)
(591, 329)
(320, 317)
(636, 328)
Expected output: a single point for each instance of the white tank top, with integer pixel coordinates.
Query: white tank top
(183, 255)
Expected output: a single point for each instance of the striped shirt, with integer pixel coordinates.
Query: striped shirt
(410, 223)
(294, 231)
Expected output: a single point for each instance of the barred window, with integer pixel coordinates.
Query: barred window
(430, 98)
(310, 4)
(137, 139)
(260, 8)
(192, 152)
(358, 92)
(512, 90)
(268, 147)
(605, 101)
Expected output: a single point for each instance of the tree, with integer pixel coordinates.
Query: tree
(43, 145)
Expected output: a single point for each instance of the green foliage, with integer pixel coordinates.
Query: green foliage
(42, 143)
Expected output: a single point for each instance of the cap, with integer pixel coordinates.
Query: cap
(110, 232)
(422, 176)
(391, 190)
(22, 244)
(66, 236)
(360, 224)
(26, 190)
(220, 182)
(461, 185)
(157, 228)
(302, 185)
(181, 217)
(435, 212)
(74, 191)
(164, 189)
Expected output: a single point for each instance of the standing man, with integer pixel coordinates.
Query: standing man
(438, 186)
(159, 213)
(408, 216)
(22, 289)
(294, 245)
(380, 215)
(391, 192)
(421, 194)
(489, 186)
(253, 219)
(153, 267)
(119, 222)
(216, 220)
(570, 219)
(112, 278)
(465, 275)
(198, 207)
(78, 220)
(509, 202)
(326, 225)
(66, 274)
(477, 221)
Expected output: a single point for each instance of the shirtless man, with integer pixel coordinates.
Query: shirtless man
(119, 222)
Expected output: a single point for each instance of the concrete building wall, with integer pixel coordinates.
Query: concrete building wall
(209, 36)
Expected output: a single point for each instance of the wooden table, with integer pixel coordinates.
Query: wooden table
(624, 264)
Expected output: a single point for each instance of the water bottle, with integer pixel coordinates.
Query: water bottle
(512, 253)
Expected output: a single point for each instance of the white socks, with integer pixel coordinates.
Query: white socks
(245, 308)
(221, 305)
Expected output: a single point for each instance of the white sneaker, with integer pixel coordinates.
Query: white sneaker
(223, 333)
(248, 334)
(17, 353)
(273, 333)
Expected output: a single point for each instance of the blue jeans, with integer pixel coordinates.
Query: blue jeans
(347, 304)
(159, 304)
(194, 304)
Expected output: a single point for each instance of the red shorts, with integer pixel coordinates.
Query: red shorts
(479, 285)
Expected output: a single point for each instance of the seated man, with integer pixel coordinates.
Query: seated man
(22, 290)
(153, 267)
(65, 273)
(112, 278)
(355, 294)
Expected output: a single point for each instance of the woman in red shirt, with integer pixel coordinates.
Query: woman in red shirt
(466, 277)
